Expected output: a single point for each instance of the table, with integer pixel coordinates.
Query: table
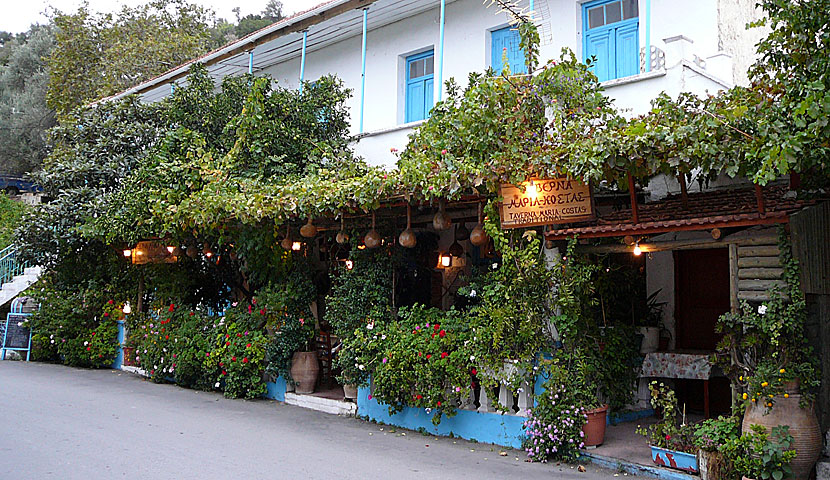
(686, 365)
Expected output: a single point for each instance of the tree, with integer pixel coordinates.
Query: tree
(23, 83)
(98, 55)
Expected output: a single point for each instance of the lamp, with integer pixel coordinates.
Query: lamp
(444, 260)
(531, 190)
(296, 246)
(171, 249)
(349, 264)
(128, 253)
(637, 250)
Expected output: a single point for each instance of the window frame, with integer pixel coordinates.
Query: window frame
(408, 61)
(495, 31)
(611, 31)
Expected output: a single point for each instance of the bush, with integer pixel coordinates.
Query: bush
(554, 424)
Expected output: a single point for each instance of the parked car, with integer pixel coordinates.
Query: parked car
(16, 184)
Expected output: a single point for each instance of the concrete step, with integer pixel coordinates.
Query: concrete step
(326, 405)
(10, 290)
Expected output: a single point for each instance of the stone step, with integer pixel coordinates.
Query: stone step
(326, 405)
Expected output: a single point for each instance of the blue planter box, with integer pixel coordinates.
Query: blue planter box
(672, 459)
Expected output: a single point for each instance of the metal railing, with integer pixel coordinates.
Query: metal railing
(10, 264)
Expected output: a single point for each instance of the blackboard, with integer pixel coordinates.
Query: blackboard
(17, 336)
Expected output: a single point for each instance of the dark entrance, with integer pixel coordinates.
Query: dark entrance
(702, 295)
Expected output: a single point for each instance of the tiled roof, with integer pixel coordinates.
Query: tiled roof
(706, 210)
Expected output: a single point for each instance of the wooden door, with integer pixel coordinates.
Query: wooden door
(702, 295)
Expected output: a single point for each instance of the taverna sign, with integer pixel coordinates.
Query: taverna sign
(545, 202)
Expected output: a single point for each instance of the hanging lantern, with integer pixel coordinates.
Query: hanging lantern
(441, 221)
(407, 238)
(372, 239)
(287, 242)
(342, 236)
(444, 260)
(478, 237)
(308, 230)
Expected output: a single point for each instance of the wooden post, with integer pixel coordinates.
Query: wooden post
(635, 214)
(759, 196)
(733, 277)
(684, 194)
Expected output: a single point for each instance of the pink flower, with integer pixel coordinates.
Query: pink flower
(444, 151)
(370, 396)
(393, 150)
(302, 321)
(385, 359)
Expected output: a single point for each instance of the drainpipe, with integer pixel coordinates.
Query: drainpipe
(648, 35)
(250, 62)
(172, 88)
(302, 60)
(531, 9)
(440, 83)
(363, 70)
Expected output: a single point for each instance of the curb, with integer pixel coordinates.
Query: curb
(637, 469)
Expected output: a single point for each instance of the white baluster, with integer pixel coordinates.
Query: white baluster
(484, 400)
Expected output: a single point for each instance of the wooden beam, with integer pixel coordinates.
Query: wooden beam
(632, 194)
(759, 196)
(669, 228)
(759, 251)
(750, 262)
(760, 273)
(734, 304)
(684, 194)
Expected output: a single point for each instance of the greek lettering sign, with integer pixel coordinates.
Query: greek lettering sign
(545, 202)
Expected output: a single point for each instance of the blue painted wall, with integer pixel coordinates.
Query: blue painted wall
(494, 428)
(276, 389)
(119, 359)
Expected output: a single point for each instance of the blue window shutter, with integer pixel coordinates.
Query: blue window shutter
(419, 90)
(628, 52)
(415, 102)
(600, 44)
(507, 38)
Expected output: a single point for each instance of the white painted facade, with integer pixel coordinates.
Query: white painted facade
(692, 36)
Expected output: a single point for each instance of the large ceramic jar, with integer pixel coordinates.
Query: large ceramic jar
(803, 425)
(304, 371)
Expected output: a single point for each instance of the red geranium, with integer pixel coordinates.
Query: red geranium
(172, 307)
(233, 359)
(110, 302)
(429, 356)
(442, 333)
(444, 354)
(248, 346)
(245, 360)
(473, 371)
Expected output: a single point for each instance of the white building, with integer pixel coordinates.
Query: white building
(694, 46)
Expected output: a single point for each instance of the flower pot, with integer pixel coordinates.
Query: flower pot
(674, 459)
(350, 391)
(651, 339)
(803, 425)
(711, 465)
(594, 428)
(304, 371)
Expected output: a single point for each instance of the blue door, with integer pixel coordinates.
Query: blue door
(506, 40)
(611, 35)
(419, 86)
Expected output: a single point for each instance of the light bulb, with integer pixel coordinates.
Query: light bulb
(128, 252)
(637, 250)
(171, 249)
(296, 246)
(531, 190)
(349, 264)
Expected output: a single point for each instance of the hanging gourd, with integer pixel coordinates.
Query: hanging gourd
(462, 233)
(478, 237)
(342, 237)
(287, 242)
(308, 230)
(456, 250)
(372, 239)
(441, 221)
(407, 237)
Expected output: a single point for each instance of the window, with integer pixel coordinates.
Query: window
(506, 40)
(419, 89)
(611, 35)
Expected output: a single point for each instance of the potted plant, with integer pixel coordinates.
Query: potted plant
(671, 442)
(764, 351)
(761, 455)
(710, 436)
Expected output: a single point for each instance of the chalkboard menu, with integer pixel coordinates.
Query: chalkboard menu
(16, 336)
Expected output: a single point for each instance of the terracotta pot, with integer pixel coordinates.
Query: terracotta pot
(803, 425)
(350, 391)
(594, 428)
(304, 371)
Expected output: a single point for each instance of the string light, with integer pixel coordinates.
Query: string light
(637, 250)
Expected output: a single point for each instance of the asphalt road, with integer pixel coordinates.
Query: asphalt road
(66, 423)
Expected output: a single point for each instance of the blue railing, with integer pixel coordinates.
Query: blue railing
(10, 264)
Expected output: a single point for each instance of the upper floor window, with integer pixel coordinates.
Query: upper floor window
(611, 35)
(419, 85)
(506, 41)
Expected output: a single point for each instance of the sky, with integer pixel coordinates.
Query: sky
(18, 15)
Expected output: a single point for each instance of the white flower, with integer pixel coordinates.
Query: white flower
(216, 385)
(472, 293)
(472, 357)
(164, 350)
(383, 337)
(762, 309)
(51, 336)
(370, 326)
(145, 350)
(360, 367)
(155, 367)
(495, 266)
(19, 324)
(51, 341)
(86, 343)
